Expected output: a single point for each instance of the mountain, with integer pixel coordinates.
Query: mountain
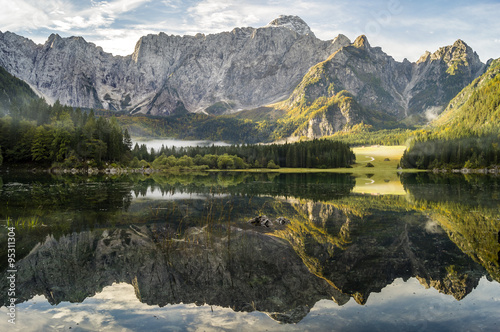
(466, 134)
(377, 88)
(281, 71)
(476, 108)
(334, 251)
(244, 68)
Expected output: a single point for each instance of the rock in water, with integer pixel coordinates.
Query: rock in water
(265, 221)
(261, 221)
(282, 221)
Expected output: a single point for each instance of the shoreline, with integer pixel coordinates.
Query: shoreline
(147, 171)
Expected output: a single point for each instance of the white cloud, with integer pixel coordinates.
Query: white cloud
(118, 41)
(401, 29)
(62, 15)
(23, 14)
(216, 15)
(117, 308)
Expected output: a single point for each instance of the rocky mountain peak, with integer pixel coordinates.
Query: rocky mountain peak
(459, 55)
(424, 57)
(459, 50)
(242, 69)
(362, 42)
(53, 37)
(291, 22)
(54, 41)
(341, 40)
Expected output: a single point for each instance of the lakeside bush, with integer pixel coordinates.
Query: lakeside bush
(308, 154)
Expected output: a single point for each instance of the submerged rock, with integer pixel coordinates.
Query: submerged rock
(282, 220)
(266, 222)
(261, 221)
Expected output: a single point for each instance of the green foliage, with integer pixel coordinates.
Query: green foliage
(467, 134)
(272, 165)
(199, 126)
(363, 134)
(469, 152)
(309, 154)
(15, 94)
(219, 107)
(47, 134)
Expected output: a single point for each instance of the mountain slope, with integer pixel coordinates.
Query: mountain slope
(438, 77)
(245, 68)
(467, 133)
(297, 84)
(13, 92)
(476, 109)
(379, 90)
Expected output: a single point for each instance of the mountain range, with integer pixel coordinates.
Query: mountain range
(314, 87)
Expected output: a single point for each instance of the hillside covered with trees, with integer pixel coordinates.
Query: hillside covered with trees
(35, 133)
(467, 134)
(44, 134)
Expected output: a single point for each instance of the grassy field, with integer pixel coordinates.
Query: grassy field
(376, 155)
(382, 179)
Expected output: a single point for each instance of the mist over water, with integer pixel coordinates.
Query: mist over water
(169, 143)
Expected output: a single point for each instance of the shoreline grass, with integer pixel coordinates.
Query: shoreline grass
(376, 155)
(381, 179)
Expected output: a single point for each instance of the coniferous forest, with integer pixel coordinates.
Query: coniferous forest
(468, 152)
(43, 134)
(308, 154)
(464, 136)
(34, 132)
(61, 136)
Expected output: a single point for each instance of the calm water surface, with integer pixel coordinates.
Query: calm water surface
(177, 253)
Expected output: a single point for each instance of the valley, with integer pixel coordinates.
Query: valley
(250, 177)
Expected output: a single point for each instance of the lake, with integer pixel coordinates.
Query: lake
(177, 252)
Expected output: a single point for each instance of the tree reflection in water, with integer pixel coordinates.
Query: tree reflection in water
(185, 239)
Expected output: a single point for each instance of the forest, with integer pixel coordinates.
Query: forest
(307, 154)
(467, 135)
(60, 135)
(467, 152)
(63, 137)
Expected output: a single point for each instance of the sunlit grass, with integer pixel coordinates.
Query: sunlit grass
(381, 179)
(23, 222)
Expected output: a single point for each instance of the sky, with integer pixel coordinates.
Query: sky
(404, 29)
(116, 308)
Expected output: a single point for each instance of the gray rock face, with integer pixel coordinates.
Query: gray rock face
(437, 78)
(246, 67)
(242, 69)
(247, 272)
(293, 23)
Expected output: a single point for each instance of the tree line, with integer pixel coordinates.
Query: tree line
(469, 152)
(308, 154)
(44, 134)
(62, 136)
(468, 136)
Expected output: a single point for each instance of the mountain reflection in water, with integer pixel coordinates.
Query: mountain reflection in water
(185, 239)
